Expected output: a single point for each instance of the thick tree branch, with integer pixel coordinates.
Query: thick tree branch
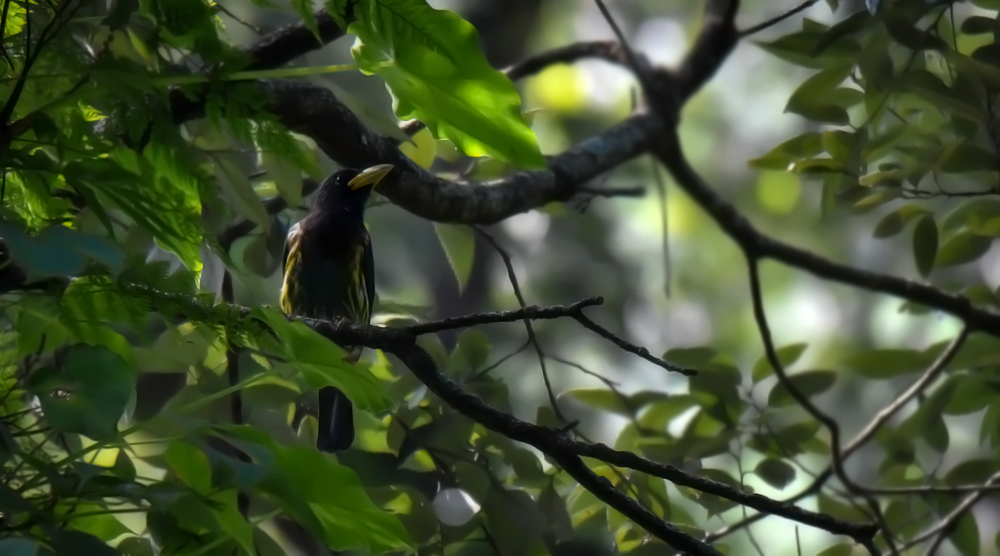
(291, 41)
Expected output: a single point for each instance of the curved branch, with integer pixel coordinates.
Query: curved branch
(609, 51)
(291, 41)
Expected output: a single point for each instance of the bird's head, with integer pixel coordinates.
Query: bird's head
(350, 188)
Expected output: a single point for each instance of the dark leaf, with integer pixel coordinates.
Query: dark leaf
(775, 472)
(925, 244)
(809, 384)
(963, 248)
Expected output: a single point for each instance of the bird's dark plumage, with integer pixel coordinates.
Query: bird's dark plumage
(329, 272)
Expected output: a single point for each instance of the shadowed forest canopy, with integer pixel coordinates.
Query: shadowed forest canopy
(650, 278)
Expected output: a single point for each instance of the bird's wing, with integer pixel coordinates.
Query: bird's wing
(361, 290)
(289, 260)
(369, 272)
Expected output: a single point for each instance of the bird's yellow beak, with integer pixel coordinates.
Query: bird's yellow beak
(370, 177)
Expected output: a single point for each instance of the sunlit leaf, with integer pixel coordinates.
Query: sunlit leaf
(431, 61)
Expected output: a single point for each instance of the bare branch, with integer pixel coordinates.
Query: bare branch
(777, 19)
(628, 346)
(530, 312)
(947, 524)
(925, 380)
(529, 329)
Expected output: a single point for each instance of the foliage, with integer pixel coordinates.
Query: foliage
(141, 415)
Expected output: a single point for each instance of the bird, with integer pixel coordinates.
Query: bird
(329, 272)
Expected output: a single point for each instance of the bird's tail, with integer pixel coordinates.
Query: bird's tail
(336, 421)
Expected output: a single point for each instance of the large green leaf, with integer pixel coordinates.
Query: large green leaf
(322, 363)
(431, 61)
(89, 394)
(304, 480)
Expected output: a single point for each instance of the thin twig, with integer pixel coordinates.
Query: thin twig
(532, 338)
(630, 347)
(533, 312)
(777, 19)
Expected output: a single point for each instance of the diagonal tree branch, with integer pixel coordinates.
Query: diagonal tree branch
(401, 342)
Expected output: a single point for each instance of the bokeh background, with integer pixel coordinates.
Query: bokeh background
(692, 293)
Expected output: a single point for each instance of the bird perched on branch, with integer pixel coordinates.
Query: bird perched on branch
(329, 272)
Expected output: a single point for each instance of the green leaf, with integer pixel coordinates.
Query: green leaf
(315, 489)
(599, 398)
(89, 394)
(775, 472)
(787, 356)
(798, 49)
(660, 414)
(431, 61)
(904, 33)
(809, 383)
(813, 98)
(886, 363)
(459, 245)
(978, 25)
(305, 10)
(837, 550)
(322, 363)
(931, 89)
(963, 248)
(475, 347)
(286, 175)
(925, 244)
(966, 157)
(894, 222)
(338, 9)
(852, 24)
(966, 535)
(781, 157)
(240, 192)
